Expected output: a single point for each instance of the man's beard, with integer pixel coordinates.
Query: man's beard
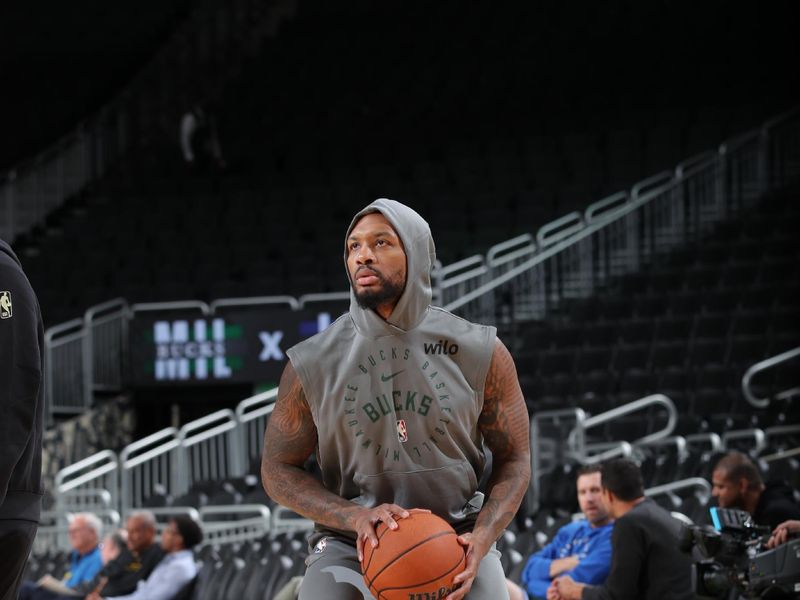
(388, 291)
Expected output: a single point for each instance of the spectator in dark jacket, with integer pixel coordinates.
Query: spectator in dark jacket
(737, 483)
(21, 414)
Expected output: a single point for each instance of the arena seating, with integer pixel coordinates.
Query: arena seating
(291, 156)
(688, 327)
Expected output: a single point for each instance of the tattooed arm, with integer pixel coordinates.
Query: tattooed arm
(289, 440)
(504, 425)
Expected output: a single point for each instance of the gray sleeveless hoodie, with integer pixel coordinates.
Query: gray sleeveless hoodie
(396, 402)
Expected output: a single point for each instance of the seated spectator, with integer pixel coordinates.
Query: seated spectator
(126, 562)
(175, 570)
(85, 531)
(581, 549)
(646, 563)
(736, 483)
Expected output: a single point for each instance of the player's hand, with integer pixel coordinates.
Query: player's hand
(476, 548)
(367, 518)
(781, 533)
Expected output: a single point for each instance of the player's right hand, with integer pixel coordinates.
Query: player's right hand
(367, 518)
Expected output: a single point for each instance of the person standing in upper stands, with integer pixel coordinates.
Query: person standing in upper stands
(176, 569)
(646, 563)
(581, 549)
(21, 419)
(736, 483)
(397, 398)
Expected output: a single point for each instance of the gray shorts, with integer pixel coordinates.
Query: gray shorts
(333, 573)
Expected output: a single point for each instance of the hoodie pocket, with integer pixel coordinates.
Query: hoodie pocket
(446, 491)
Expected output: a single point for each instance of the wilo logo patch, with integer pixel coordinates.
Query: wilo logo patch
(440, 347)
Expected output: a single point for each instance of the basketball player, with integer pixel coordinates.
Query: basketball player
(397, 398)
(21, 419)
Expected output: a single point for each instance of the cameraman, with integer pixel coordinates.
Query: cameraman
(736, 483)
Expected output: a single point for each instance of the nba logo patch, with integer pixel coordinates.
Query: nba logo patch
(402, 432)
(5, 305)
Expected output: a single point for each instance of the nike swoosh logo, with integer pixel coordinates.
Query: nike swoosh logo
(386, 378)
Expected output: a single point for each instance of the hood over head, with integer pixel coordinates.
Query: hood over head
(420, 253)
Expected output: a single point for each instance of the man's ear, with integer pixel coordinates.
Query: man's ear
(743, 486)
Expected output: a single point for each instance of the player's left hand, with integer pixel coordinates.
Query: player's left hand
(476, 548)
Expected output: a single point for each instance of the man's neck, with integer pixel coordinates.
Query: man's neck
(624, 508)
(603, 523)
(751, 500)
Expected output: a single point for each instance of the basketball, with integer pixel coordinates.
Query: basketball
(419, 559)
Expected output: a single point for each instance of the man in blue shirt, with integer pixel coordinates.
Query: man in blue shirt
(85, 531)
(581, 549)
(175, 570)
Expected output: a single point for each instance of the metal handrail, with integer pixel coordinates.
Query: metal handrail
(323, 297)
(76, 331)
(740, 140)
(465, 276)
(649, 184)
(605, 207)
(108, 463)
(170, 434)
(780, 430)
(758, 436)
(792, 112)
(780, 455)
(242, 414)
(689, 482)
(282, 523)
(518, 246)
(103, 495)
(624, 449)
(674, 440)
(188, 438)
(227, 509)
(559, 229)
(710, 437)
(103, 307)
(291, 301)
(465, 265)
(91, 321)
(762, 366)
(174, 305)
(577, 436)
(694, 163)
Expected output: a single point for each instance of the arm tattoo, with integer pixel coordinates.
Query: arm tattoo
(504, 425)
(289, 440)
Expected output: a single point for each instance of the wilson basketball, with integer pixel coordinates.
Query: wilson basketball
(419, 559)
